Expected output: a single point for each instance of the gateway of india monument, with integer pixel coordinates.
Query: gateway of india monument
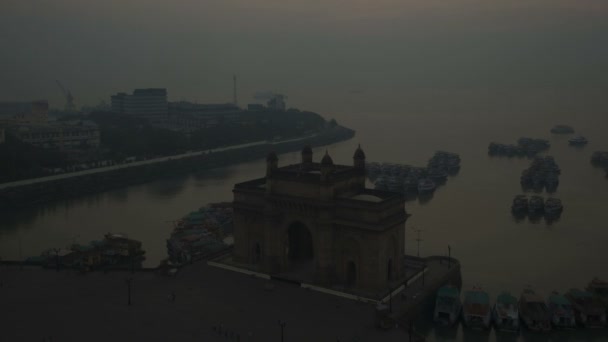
(316, 222)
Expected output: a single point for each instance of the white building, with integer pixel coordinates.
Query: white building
(74, 134)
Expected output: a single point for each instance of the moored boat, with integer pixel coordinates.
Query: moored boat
(505, 313)
(599, 288)
(447, 306)
(536, 205)
(438, 174)
(476, 309)
(553, 207)
(426, 186)
(534, 311)
(578, 141)
(561, 311)
(520, 205)
(381, 184)
(589, 310)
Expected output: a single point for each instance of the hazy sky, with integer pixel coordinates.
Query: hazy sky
(192, 47)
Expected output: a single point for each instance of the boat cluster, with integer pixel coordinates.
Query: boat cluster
(542, 173)
(414, 180)
(586, 308)
(536, 206)
(578, 140)
(600, 159)
(200, 233)
(525, 147)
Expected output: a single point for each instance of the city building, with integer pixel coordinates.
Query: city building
(149, 103)
(188, 117)
(2, 136)
(24, 112)
(318, 222)
(255, 107)
(74, 134)
(277, 102)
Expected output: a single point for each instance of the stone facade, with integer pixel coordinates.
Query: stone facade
(320, 215)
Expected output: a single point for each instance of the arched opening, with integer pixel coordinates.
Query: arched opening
(351, 274)
(389, 271)
(299, 243)
(257, 253)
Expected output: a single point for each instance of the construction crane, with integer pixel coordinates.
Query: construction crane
(69, 99)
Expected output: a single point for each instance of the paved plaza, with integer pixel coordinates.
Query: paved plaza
(40, 303)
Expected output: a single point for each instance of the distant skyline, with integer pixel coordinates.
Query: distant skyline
(193, 48)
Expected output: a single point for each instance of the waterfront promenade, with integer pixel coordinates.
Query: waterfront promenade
(146, 162)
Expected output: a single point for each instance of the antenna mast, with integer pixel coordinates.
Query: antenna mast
(234, 100)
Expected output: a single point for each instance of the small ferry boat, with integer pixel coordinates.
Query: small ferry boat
(505, 313)
(381, 184)
(438, 174)
(578, 141)
(476, 309)
(599, 288)
(536, 205)
(426, 186)
(520, 205)
(395, 184)
(553, 207)
(589, 310)
(551, 181)
(410, 184)
(534, 311)
(562, 313)
(447, 306)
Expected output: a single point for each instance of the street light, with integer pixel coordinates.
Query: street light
(282, 325)
(418, 239)
(129, 281)
(56, 250)
(449, 256)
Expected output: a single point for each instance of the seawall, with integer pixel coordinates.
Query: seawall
(17, 197)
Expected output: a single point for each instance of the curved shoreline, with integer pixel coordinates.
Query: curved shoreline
(26, 193)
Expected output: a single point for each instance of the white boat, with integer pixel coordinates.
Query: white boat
(426, 186)
(447, 306)
(553, 207)
(534, 312)
(505, 313)
(476, 312)
(579, 140)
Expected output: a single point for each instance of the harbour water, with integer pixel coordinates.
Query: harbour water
(411, 77)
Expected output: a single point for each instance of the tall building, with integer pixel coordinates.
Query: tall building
(2, 137)
(148, 103)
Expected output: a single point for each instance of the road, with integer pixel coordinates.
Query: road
(145, 162)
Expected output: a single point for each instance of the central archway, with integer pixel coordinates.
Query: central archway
(300, 247)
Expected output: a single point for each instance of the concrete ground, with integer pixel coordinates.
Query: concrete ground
(37, 304)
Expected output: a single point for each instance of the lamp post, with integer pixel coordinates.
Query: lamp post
(449, 256)
(56, 250)
(282, 325)
(418, 240)
(129, 281)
